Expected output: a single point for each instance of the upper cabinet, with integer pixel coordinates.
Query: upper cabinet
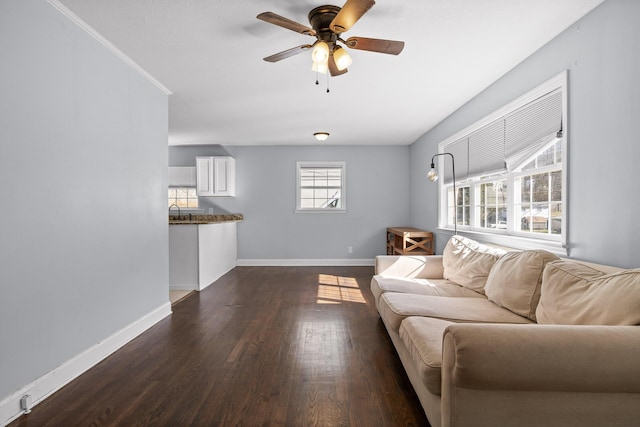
(182, 176)
(216, 176)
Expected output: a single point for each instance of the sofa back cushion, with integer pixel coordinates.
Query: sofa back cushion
(467, 262)
(575, 294)
(514, 281)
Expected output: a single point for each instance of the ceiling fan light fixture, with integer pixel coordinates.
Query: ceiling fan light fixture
(321, 136)
(342, 58)
(320, 68)
(320, 54)
(327, 25)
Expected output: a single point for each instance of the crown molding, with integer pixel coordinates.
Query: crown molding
(106, 43)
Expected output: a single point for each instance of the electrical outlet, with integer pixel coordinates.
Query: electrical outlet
(350, 249)
(25, 403)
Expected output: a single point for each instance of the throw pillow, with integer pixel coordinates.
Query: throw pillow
(514, 281)
(467, 262)
(575, 294)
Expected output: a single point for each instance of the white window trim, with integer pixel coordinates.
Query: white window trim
(519, 240)
(343, 190)
(185, 208)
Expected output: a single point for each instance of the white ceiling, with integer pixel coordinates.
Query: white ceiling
(208, 53)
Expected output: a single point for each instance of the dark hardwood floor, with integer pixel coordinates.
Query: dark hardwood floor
(263, 346)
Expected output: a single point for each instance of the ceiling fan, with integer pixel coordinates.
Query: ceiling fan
(327, 24)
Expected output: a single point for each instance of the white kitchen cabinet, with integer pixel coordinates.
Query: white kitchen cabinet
(216, 176)
(182, 176)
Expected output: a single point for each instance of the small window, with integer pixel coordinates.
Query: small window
(183, 197)
(464, 208)
(493, 204)
(321, 187)
(540, 206)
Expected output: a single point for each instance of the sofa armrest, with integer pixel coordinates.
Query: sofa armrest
(589, 374)
(543, 357)
(418, 266)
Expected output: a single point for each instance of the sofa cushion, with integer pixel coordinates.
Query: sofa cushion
(515, 279)
(575, 294)
(436, 287)
(422, 336)
(394, 307)
(468, 262)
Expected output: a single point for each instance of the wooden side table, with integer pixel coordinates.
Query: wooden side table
(409, 241)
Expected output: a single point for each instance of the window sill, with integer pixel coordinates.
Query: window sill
(511, 242)
(174, 209)
(323, 210)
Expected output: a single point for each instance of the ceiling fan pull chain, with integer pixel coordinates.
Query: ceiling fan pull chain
(328, 83)
(317, 81)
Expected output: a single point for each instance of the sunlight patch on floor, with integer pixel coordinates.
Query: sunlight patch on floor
(337, 289)
(177, 296)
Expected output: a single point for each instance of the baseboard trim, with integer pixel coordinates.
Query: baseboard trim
(305, 262)
(52, 381)
(187, 287)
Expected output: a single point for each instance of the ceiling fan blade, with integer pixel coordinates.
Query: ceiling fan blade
(333, 68)
(391, 47)
(349, 14)
(287, 23)
(287, 53)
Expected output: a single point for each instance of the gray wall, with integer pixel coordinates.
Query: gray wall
(601, 52)
(83, 156)
(377, 197)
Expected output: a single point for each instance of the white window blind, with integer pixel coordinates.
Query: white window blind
(460, 150)
(486, 149)
(529, 128)
(504, 142)
(321, 187)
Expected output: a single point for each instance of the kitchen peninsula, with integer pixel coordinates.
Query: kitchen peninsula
(201, 249)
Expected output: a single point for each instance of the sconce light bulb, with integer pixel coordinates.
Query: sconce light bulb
(432, 175)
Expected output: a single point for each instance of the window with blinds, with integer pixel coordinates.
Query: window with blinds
(321, 187)
(509, 170)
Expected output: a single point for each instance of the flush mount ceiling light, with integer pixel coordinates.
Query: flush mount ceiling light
(321, 136)
(327, 24)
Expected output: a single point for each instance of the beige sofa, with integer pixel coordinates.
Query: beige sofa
(522, 338)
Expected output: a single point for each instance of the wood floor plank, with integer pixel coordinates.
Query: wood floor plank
(262, 346)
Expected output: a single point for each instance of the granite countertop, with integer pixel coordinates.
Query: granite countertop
(204, 219)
